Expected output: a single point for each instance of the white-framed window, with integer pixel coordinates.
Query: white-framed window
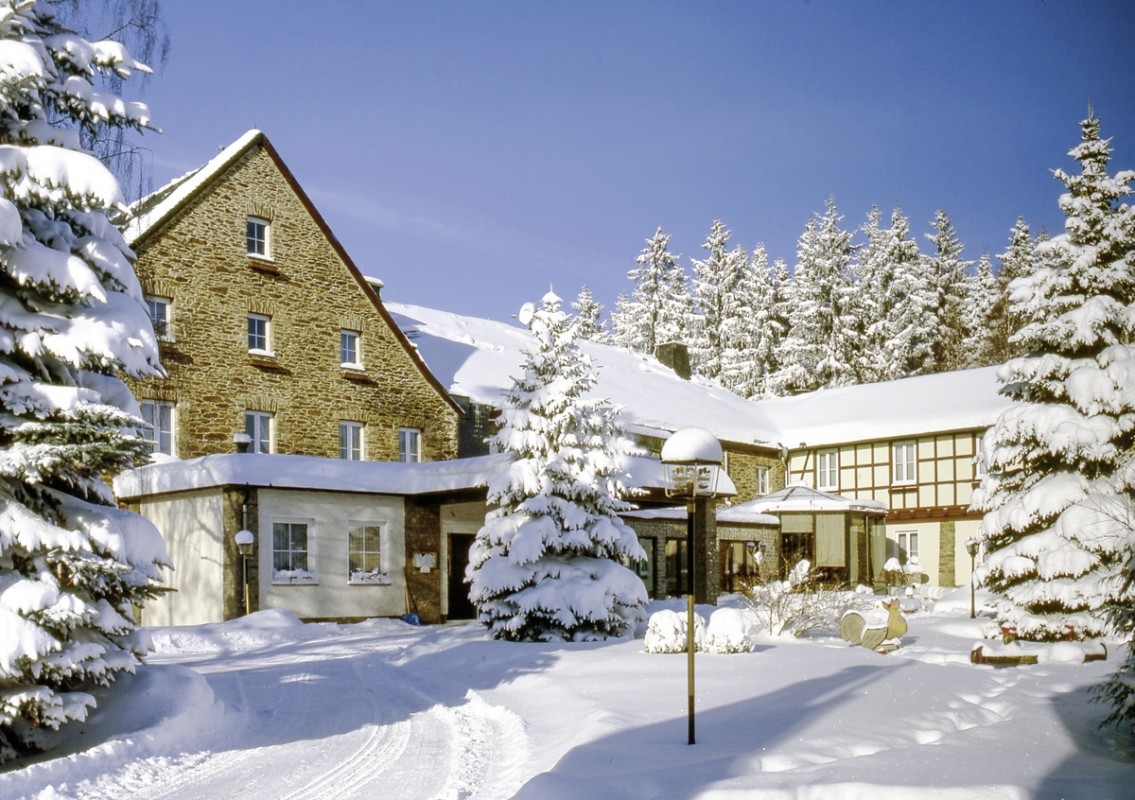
(908, 546)
(350, 354)
(291, 562)
(158, 309)
(827, 470)
(258, 239)
(904, 458)
(364, 554)
(409, 444)
(350, 440)
(258, 426)
(762, 481)
(158, 417)
(260, 334)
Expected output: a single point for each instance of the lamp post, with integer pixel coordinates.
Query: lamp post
(972, 546)
(244, 540)
(691, 460)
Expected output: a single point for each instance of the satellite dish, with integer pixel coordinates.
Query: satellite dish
(527, 312)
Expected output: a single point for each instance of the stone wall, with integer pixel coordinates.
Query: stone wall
(423, 527)
(742, 469)
(199, 261)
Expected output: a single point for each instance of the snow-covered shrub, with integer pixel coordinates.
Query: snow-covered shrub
(73, 568)
(729, 631)
(666, 632)
(798, 606)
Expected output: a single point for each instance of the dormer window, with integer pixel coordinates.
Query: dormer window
(259, 242)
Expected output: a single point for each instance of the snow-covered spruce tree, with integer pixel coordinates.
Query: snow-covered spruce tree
(659, 309)
(981, 296)
(72, 566)
(1059, 488)
(589, 311)
(820, 347)
(715, 282)
(751, 335)
(896, 302)
(547, 565)
(946, 279)
(1018, 260)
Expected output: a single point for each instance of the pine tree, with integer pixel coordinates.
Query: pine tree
(547, 563)
(72, 566)
(981, 295)
(946, 279)
(819, 348)
(588, 312)
(1059, 490)
(658, 310)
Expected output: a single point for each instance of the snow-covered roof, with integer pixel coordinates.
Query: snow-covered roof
(336, 474)
(946, 401)
(478, 358)
(154, 208)
(309, 472)
(804, 498)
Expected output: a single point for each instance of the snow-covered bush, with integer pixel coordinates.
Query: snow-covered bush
(798, 606)
(729, 631)
(666, 632)
(72, 567)
(546, 565)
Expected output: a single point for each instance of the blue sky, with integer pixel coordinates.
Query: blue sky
(470, 154)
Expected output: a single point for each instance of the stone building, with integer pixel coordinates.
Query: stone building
(267, 328)
(274, 342)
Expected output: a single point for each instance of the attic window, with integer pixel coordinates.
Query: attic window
(258, 239)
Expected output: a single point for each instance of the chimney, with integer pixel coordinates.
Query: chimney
(676, 356)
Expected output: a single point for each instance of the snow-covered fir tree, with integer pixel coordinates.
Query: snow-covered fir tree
(751, 336)
(780, 280)
(945, 277)
(549, 563)
(1018, 260)
(894, 299)
(659, 308)
(819, 348)
(589, 313)
(1059, 488)
(72, 566)
(977, 347)
(715, 282)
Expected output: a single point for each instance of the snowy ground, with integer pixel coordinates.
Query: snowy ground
(269, 707)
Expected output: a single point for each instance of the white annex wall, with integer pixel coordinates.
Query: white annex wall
(328, 516)
(191, 527)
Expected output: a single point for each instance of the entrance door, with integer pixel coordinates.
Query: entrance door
(458, 589)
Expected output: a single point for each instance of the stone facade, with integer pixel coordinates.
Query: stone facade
(742, 466)
(309, 291)
(423, 522)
